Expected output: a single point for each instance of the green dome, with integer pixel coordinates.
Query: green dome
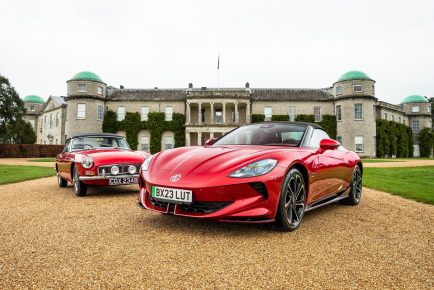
(354, 75)
(33, 99)
(414, 99)
(86, 75)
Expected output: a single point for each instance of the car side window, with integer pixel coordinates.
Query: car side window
(316, 138)
(66, 148)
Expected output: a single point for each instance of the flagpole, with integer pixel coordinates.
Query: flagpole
(218, 72)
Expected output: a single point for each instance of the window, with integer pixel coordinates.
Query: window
(338, 90)
(428, 109)
(317, 136)
(357, 88)
(144, 143)
(415, 126)
(399, 119)
(168, 142)
(415, 109)
(339, 139)
(317, 113)
(385, 116)
(31, 108)
(144, 113)
(268, 112)
(292, 113)
(358, 142)
(100, 113)
(99, 90)
(51, 120)
(81, 111)
(57, 141)
(57, 120)
(403, 121)
(218, 118)
(416, 151)
(45, 121)
(358, 111)
(393, 117)
(121, 113)
(338, 113)
(169, 113)
(82, 88)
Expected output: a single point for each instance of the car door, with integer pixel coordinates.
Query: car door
(327, 169)
(64, 161)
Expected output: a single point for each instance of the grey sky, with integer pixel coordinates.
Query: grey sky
(143, 44)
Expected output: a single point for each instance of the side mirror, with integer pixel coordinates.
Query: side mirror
(210, 141)
(329, 144)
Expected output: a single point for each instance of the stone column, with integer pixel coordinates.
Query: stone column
(199, 114)
(224, 113)
(248, 113)
(236, 112)
(187, 139)
(211, 135)
(188, 114)
(212, 113)
(199, 138)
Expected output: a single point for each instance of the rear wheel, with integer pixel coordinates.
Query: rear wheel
(60, 181)
(80, 188)
(292, 201)
(356, 187)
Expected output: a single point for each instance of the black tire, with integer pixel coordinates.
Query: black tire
(80, 188)
(355, 194)
(292, 202)
(60, 181)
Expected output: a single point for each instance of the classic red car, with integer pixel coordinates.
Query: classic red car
(98, 159)
(266, 172)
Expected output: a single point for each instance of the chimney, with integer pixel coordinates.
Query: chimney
(190, 85)
(155, 88)
(247, 85)
(203, 88)
(121, 87)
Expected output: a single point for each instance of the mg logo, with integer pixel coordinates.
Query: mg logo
(175, 178)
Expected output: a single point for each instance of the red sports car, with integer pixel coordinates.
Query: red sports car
(265, 172)
(97, 160)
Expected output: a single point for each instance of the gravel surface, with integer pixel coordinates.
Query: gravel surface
(401, 163)
(52, 239)
(25, 161)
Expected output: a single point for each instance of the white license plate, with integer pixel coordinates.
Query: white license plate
(123, 180)
(172, 194)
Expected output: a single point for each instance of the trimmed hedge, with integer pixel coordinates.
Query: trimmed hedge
(393, 139)
(426, 138)
(156, 125)
(29, 150)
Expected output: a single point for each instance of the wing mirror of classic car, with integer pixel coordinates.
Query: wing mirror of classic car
(210, 141)
(329, 144)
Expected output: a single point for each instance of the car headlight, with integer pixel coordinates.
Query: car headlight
(255, 169)
(131, 169)
(146, 164)
(87, 162)
(114, 170)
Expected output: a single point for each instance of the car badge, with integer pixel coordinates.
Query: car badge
(175, 178)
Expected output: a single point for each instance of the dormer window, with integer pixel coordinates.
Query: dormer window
(99, 90)
(357, 88)
(82, 88)
(31, 108)
(415, 109)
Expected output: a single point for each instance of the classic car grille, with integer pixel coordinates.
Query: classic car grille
(204, 207)
(123, 168)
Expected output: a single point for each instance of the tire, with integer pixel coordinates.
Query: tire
(292, 202)
(80, 188)
(356, 188)
(60, 181)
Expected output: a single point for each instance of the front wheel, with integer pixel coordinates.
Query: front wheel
(80, 188)
(60, 180)
(356, 187)
(292, 201)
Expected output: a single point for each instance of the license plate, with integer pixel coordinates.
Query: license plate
(172, 194)
(123, 180)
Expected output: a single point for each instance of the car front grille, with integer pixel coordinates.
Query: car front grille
(157, 203)
(123, 169)
(204, 207)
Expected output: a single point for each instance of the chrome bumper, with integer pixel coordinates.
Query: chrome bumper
(100, 177)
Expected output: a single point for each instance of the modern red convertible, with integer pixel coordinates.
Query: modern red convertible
(97, 160)
(266, 172)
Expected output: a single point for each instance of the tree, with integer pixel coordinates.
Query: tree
(20, 132)
(11, 107)
(426, 142)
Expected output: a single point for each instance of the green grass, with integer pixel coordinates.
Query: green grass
(17, 173)
(410, 182)
(49, 159)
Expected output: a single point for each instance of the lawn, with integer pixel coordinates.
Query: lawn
(49, 159)
(410, 182)
(17, 173)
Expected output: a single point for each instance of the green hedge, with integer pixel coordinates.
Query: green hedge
(426, 139)
(393, 139)
(156, 125)
(328, 121)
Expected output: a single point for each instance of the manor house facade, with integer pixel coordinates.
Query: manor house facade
(212, 112)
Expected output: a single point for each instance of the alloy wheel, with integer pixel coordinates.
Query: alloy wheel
(294, 200)
(357, 184)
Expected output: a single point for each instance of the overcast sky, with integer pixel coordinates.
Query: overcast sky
(167, 44)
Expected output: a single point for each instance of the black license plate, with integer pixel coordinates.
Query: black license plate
(123, 180)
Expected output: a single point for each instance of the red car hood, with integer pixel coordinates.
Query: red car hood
(215, 159)
(114, 156)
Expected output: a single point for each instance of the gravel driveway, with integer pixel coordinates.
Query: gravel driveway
(52, 239)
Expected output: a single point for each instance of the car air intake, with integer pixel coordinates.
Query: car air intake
(260, 188)
(204, 207)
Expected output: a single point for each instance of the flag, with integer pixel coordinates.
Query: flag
(218, 62)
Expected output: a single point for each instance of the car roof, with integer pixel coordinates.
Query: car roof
(303, 124)
(96, 135)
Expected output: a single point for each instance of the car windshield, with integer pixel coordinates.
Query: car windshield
(265, 134)
(92, 142)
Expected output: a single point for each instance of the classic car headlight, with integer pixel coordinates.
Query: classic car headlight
(114, 170)
(255, 169)
(145, 164)
(87, 162)
(132, 169)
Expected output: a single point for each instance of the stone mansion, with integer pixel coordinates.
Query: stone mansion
(213, 112)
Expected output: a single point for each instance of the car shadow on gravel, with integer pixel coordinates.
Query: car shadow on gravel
(97, 192)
